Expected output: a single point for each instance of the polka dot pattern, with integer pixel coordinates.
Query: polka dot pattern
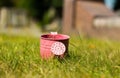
(58, 48)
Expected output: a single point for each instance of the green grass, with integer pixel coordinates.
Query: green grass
(88, 58)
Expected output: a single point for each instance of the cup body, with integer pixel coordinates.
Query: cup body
(53, 45)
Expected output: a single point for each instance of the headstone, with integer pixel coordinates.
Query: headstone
(4, 17)
(23, 18)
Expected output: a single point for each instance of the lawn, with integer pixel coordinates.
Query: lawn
(88, 58)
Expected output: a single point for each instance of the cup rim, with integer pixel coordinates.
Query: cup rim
(66, 37)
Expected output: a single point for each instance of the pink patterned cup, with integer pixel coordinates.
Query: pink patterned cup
(53, 45)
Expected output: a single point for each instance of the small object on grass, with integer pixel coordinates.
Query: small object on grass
(53, 33)
(53, 45)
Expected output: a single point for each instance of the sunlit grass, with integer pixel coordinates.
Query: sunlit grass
(88, 58)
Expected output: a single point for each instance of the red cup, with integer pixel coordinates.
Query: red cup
(53, 45)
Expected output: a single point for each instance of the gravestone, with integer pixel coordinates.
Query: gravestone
(3, 17)
(85, 17)
(17, 22)
(18, 18)
(13, 17)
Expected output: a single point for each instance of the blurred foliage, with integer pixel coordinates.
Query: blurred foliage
(57, 3)
(38, 9)
(48, 16)
(6, 3)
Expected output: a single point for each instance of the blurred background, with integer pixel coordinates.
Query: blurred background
(30, 17)
(36, 16)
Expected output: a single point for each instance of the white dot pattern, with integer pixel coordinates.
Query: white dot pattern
(58, 48)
